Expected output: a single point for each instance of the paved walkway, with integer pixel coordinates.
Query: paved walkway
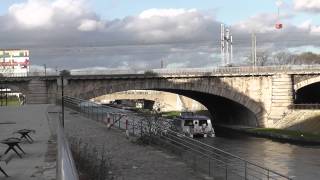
(38, 163)
(129, 160)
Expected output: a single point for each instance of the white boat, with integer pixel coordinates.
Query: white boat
(194, 125)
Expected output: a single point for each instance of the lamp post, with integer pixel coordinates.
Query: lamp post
(62, 101)
(63, 74)
(45, 69)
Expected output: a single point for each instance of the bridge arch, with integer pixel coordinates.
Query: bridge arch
(195, 89)
(307, 91)
(306, 82)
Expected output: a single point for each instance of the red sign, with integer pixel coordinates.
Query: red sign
(279, 26)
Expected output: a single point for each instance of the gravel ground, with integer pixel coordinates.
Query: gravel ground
(130, 161)
(39, 161)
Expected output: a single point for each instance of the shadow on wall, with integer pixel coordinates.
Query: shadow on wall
(311, 124)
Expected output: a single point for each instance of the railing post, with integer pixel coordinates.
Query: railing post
(245, 170)
(226, 172)
(141, 128)
(209, 173)
(133, 124)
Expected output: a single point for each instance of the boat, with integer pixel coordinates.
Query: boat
(193, 125)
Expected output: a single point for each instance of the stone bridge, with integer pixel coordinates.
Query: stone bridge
(254, 96)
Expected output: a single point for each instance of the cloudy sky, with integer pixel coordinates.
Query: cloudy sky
(71, 34)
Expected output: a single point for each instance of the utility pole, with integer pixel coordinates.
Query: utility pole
(222, 45)
(254, 49)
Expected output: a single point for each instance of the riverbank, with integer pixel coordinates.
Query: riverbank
(282, 135)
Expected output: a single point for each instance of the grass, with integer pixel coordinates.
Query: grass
(170, 114)
(289, 133)
(173, 114)
(11, 102)
(91, 163)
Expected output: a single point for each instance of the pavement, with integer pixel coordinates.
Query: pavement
(129, 160)
(39, 161)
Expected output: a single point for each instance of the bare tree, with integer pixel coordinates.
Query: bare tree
(263, 58)
(283, 58)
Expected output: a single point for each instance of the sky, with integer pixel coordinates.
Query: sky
(75, 34)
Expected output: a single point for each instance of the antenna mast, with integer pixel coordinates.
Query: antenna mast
(226, 46)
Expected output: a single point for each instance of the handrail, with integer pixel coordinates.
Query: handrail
(305, 106)
(66, 169)
(181, 71)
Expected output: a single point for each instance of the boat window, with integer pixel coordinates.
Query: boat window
(201, 122)
(188, 123)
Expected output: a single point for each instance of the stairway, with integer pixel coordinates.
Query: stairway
(37, 92)
(282, 97)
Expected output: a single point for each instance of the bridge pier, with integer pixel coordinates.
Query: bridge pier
(282, 97)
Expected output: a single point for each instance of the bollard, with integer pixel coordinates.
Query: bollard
(127, 131)
(141, 128)
(108, 121)
(119, 121)
(133, 124)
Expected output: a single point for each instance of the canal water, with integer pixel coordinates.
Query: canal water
(296, 161)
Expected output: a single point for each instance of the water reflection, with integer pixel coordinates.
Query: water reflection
(299, 162)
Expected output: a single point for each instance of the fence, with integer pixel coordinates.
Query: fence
(66, 169)
(215, 163)
(183, 71)
(304, 106)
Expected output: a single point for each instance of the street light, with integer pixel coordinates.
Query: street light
(63, 74)
(45, 69)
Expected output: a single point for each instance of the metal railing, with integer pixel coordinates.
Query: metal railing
(183, 71)
(304, 106)
(207, 159)
(66, 169)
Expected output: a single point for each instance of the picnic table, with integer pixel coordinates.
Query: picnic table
(25, 134)
(12, 143)
(3, 172)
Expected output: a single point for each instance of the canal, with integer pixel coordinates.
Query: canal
(296, 161)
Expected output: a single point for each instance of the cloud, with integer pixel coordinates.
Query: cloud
(307, 5)
(90, 25)
(165, 25)
(48, 14)
(33, 14)
(67, 34)
(151, 13)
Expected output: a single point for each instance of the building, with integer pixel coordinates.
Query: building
(14, 61)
